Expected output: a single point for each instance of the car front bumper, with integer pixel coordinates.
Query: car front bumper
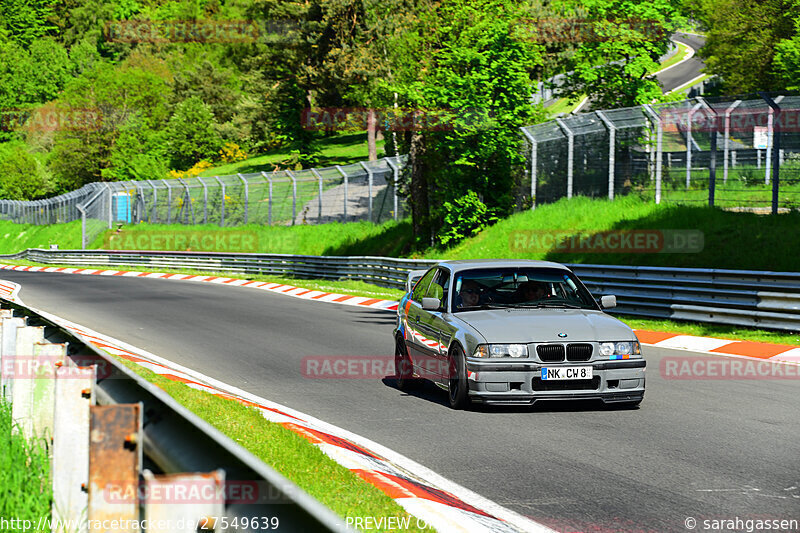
(519, 382)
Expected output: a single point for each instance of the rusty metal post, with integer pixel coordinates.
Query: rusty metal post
(22, 380)
(48, 357)
(184, 515)
(74, 394)
(115, 460)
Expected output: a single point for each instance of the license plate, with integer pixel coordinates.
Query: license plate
(554, 373)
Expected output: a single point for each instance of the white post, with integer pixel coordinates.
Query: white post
(726, 141)
(570, 154)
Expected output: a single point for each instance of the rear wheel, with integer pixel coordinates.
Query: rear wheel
(403, 370)
(458, 389)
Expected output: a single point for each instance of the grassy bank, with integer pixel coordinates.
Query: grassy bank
(24, 474)
(335, 150)
(286, 451)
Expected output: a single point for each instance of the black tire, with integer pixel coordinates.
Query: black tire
(458, 389)
(403, 369)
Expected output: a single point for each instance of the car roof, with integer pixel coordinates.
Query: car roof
(469, 264)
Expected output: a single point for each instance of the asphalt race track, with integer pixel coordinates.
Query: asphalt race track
(685, 72)
(706, 449)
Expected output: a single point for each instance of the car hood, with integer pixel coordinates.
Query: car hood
(544, 325)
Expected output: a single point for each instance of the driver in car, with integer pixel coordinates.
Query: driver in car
(470, 294)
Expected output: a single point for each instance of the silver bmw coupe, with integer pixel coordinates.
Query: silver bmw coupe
(514, 332)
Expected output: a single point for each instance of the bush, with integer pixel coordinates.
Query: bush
(23, 177)
(464, 217)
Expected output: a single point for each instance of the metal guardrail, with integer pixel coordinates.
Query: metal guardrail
(737, 297)
(173, 440)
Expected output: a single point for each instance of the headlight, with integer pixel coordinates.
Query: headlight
(620, 350)
(501, 350)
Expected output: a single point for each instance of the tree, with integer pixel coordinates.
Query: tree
(192, 134)
(26, 20)
(466, 70)
(745, 40)
(614, 45)
(23, 177)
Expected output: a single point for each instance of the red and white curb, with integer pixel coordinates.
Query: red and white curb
(764, 351)
(289, 290)
(432, 499)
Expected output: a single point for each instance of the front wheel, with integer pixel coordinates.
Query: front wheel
(403, 370)
(457, 384)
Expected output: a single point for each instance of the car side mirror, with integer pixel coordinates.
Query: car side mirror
(608, 301)
(431, 304)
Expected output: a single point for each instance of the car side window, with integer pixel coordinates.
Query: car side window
(439, 287)
(422, 286)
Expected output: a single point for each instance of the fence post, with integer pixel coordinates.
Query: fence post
(188, 203)
(269, 204)
(689, 141)
(533, 166)
(774, 108)
(369, 190)
(294, 194)
(344, 175)
(770, 135)
(222, 206)
(727, 139)
(246, 195)
(396, 179)
(154, 217)
(169, 201)
(659, 147)
(205, 199)
(570, 153)
(612, 134)
(319, 195)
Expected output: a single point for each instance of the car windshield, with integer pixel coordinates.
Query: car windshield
(519, 287)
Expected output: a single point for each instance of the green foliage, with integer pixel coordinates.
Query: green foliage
(752, 44)
(613, 63)
(463, 218)
(26, 20)
(192, 134)
(24, 473)
(23, 176)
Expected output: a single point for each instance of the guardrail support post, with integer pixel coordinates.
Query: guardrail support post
(570, 154)
(222, 206)
(209, 502)
(74, 394)
(8, 349)
(246, 196)
(22, 381)
(115, 458)
(369, 189)
(344, 175)
(49, 357)
(319, 194)
(269, 204)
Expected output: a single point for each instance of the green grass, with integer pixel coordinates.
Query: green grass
(18, 237)
(286, 451)
(25, 486)
(677, 57)
(340, 149)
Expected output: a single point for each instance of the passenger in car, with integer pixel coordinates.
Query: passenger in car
(532, 291)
